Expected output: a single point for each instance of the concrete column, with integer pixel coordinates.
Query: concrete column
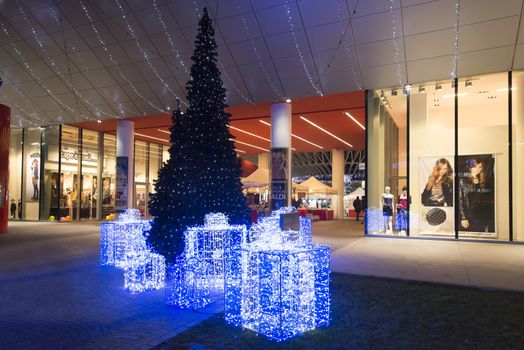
(263, 161)
(337, 180)
(125, 172)
(280, 155)
(5, 122)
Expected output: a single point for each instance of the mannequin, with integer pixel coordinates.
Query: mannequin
(402, 211)
(387, 209)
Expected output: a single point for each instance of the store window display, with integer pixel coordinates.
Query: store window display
(387, 209)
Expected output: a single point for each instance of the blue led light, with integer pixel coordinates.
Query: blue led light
(277, 284)
(188, 286)
(122, 237)
(144, 272)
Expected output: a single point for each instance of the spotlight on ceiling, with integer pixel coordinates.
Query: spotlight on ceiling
(382, 97)
(394, 92)
(288, 100)
(438, 87)
(421, 89)
(99, 121)
(468, 83)
(453, 84)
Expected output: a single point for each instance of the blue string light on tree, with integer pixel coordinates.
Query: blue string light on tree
(187, 283)
(208, 243)
(144, 272)
(122, 237)
(277, 284)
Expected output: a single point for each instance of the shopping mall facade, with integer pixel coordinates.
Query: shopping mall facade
(428, 138)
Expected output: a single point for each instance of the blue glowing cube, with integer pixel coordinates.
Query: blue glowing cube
(208, 244)
(278, 290)
(144, 272)
(187, 284)
(123, 237)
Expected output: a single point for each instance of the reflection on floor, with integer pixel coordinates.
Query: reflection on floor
(54, 291)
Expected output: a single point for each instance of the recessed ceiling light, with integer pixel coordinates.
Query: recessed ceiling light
(249, 133)
(295, 136)
(250, 145)
(327, 132)
(288, 100)
(99, 121)
(151, 137)
(356, 121)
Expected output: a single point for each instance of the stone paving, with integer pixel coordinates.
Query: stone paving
(54, 295)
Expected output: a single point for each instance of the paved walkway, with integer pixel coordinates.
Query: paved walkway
(54, 294)
(483, 265)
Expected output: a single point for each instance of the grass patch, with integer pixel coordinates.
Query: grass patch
(383, 313)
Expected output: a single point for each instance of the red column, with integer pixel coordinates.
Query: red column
(5, 114)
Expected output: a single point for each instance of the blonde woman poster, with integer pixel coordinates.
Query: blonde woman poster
(436, 196)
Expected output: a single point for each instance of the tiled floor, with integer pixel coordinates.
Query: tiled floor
(478, 264)
(54, 294)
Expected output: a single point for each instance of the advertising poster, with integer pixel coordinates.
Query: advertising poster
(477, 196)
(436, 196)
(122, 191)
(279, 178)
(33, 177)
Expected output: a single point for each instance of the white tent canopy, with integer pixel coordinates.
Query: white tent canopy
(258, 178)
(316, 187)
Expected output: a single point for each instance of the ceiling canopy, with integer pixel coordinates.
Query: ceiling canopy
(65, 61)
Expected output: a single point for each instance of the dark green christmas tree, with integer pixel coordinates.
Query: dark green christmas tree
(203, 172)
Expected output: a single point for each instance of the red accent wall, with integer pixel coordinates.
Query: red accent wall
(5, 121)
(247, 167)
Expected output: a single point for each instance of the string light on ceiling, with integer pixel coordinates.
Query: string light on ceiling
(169, 39)
(30, 70)
(57, 70)
(222, 67)
(259, 58)
(396, 46)
(300, 55)
(145, 55)
(114, 62)
(456, 42)
(356, 76)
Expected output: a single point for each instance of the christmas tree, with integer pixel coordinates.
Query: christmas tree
(203, 172)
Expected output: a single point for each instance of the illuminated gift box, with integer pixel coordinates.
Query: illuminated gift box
(122, 237)
(144, 272)
(277, 284)
(283, 291)
(207, 243)
(187, 284)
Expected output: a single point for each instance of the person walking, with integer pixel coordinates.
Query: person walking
(357, 204)
(13, 209)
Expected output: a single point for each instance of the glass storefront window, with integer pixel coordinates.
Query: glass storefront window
(155, 163)
(387, 165)
(90, 166)
(15, 172)
(432, 150)
(518, 154)
(482, 167)
(108, 176)
(141, 176)
(31, 174)
(69, 176)
(50, 200)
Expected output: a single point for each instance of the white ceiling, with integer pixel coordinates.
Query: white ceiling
(63, 63)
